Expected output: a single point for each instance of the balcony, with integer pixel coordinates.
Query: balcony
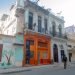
(47, 33)
(19, 9)
(57, 34)
(32, 31)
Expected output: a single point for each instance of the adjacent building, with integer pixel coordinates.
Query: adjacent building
(70, 29)
(71, 42)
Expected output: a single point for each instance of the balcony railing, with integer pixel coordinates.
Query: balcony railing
(47, 33)
(57, 34)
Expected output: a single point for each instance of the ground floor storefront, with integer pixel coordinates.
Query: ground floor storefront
(37, 49)
(32, 48)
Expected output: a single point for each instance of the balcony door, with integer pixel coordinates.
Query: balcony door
(30, 21)
(39, 23)
(27, 51)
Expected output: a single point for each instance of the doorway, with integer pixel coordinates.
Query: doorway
(55, 53)
(27, 51)
(62, 54)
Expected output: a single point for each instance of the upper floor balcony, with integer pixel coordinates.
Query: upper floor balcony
(47, 32)
(19, 9)
(59, 35)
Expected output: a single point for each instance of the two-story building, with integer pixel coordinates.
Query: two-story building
(42, 33)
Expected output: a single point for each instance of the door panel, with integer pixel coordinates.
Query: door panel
(38, 57)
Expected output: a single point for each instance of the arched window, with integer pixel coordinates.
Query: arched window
(60, 30)
(53, 28)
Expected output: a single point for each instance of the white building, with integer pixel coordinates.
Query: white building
(27, 16)
(2, 21)
(70, 29)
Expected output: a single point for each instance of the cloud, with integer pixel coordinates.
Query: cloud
(66, 6)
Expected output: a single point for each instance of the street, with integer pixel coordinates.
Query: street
(46, 71)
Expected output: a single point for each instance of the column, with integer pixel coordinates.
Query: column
(36, 51)
(52, 57)
(49, 51)
(59, 55)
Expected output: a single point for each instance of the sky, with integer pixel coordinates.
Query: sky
(66, 6)
(5, 5)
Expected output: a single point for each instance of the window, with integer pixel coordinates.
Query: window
(62, 54)
(39, 23)
(60, 30)
(69, 46)
(41, 44)
(30, 21)
(31, 42)
(61, 47)
(28, 43)
(53, 28)
(27, 46)
(45, 22)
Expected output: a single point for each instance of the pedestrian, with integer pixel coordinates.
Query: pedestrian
(65, 61)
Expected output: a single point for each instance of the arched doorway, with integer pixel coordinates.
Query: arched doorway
(55, 53)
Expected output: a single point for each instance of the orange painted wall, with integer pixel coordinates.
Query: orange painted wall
(38, 38)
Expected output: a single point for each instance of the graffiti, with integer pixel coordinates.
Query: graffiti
(8, 54)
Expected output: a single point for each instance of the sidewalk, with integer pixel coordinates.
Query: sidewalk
(19, 69)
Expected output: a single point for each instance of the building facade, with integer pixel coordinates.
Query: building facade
(39, 33)
(70, 30)
(71, 49)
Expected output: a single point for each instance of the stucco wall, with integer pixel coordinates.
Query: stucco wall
(59, 42)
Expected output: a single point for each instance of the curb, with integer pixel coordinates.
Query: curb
(21, 69)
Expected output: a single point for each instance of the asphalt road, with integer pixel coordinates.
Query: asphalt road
(45, 71)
